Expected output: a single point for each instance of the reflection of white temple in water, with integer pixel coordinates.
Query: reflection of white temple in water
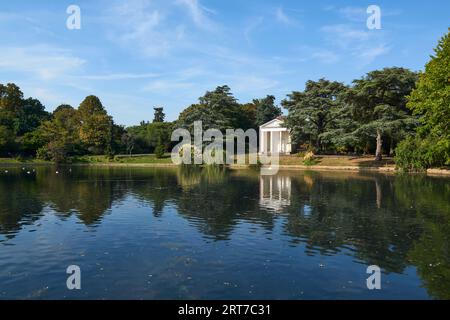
(275, 192)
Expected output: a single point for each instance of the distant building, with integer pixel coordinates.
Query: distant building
(274, 137)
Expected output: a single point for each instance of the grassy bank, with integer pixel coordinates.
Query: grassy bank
(345, 163)
(22, 161)
(123, 159)
(339, 161)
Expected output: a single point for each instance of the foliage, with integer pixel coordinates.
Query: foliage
(146, 137)
(160, 151)
(58, 137)
(431, 102)
(216, 109)
(95, 125)
(377, 103)
(313, 112)
(159, 115)
(266, 110)
(416, 154)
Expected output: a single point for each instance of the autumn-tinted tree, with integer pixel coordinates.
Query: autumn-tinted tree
(60, 136)
(95, 125)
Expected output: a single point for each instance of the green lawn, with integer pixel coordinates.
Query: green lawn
(339, 161)
(18, 161)
(143, 158)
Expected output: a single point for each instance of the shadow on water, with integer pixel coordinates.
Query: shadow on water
(391, 221)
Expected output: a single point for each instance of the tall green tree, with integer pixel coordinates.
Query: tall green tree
(247, 119)
(266, 110)
(378, 105)
(313, 112)
(216, 109)
(159, 115)
(431, 102)
(30, 116)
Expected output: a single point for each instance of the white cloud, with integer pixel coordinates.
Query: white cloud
(120, 76)
(281, 16)
(251, 84)
(358, 43)
(197, 13)
(356, 14)
(342, 34)
(368, 55)
(140, 25)
(325, 56)
(45, 62)
(252, 26)
(166, 86)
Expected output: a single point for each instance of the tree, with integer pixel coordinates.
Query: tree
(159, 115)
(216, 109)
(313, 112)
(61, 107)
(266, 110)
(30, 116)
(147, 137)
(60, 136)
(431, 102)
(378, 105)
(96, 125)
(5, 138)
(10, 97)
(247, 120)
(128, 140)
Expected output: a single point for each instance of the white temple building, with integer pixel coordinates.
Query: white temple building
(274, 137)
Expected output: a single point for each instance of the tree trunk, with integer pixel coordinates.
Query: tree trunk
(378, 155)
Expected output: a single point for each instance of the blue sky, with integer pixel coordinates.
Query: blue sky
(142, 53)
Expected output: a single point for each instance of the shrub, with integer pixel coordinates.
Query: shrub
(160, 151)
(309, 159)
(415, 154)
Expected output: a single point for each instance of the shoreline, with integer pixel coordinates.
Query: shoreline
(383, 169)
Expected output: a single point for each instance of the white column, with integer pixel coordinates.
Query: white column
(280, 149)
(271, 142)
(261, 141)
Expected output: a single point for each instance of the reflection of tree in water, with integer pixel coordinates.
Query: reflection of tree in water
(87, 193)
(431, 252)
(156, 189)
(219, 201)
(19, 203)
(390, 221)
(341, 212)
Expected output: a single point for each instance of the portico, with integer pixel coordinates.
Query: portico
(274, 137)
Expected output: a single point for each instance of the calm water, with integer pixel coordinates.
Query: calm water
(210, 234)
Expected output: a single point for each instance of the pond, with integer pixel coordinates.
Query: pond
(189, 233)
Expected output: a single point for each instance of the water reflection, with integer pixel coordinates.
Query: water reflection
(392, 221)
(275, 192)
